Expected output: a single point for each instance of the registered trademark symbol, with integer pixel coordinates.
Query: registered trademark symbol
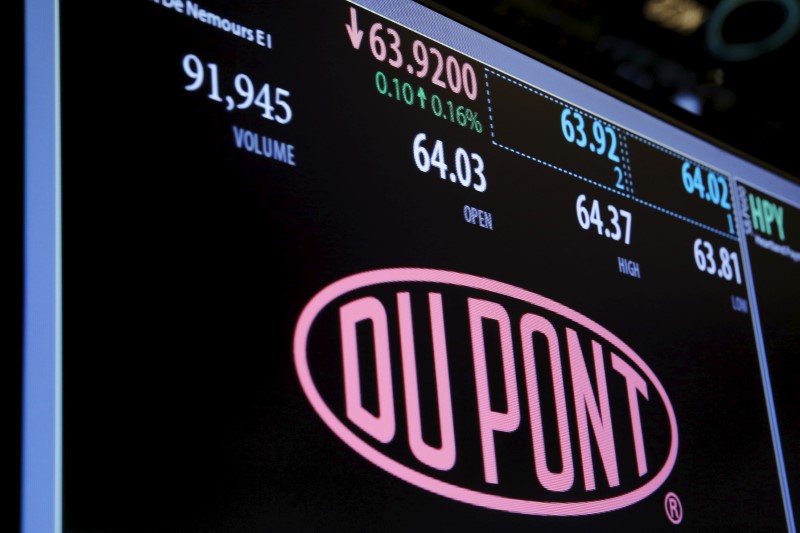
(673, 507)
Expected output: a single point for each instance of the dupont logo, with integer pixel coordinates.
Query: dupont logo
(484, 392)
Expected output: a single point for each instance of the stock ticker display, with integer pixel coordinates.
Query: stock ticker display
(354, 266)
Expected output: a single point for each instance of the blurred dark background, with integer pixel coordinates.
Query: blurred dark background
(722, 68)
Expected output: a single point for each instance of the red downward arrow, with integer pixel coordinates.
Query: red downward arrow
(352, 30)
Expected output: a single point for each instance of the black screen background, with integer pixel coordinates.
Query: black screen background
(187, 263)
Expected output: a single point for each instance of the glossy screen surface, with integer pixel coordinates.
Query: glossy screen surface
(356, 266)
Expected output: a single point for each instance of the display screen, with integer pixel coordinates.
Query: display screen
(355, 266)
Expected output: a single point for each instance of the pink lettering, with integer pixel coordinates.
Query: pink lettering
(491, 421)
(554, 481)
(634, 384)
(364, 327)
(382, 426)
(586, 403)
(440, 458)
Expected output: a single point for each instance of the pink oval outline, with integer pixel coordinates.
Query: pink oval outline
(394, 275)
